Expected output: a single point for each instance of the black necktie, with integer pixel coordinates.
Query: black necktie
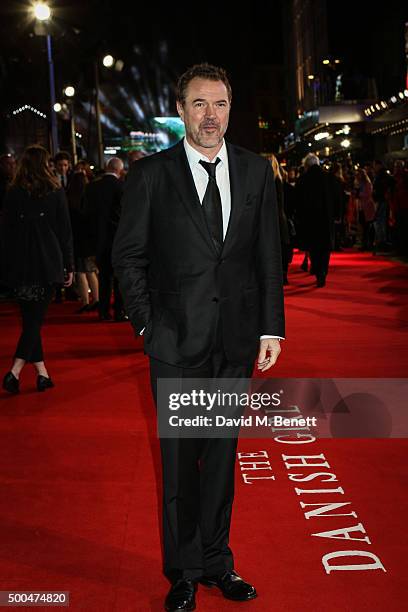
(212, 205)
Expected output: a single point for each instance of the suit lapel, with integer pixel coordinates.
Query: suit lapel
(238, 172)
(182, 178)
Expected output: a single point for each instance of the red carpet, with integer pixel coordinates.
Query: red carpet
(79, 464)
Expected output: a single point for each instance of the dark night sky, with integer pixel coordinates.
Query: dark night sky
(207, 34)
(220, 33)
(161, 39)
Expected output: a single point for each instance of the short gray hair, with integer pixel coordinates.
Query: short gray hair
(310, 160)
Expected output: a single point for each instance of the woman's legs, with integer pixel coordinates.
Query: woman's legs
(92, 279)
(18, 365)
(83, 287)
(41, 369)
(29, 347)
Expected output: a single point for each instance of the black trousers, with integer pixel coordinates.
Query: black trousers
(198, 485)
(106, 281)
(319, 261)
(29, 346)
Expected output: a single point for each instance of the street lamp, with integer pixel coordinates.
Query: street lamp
(42, 13)
(57, 107)
(108, 61)
(69, 92)
(98, 116)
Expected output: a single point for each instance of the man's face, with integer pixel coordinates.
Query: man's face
(62, 166)
(205, 112)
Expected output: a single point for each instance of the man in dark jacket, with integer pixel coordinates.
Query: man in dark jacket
(315, 203)
(102, 206)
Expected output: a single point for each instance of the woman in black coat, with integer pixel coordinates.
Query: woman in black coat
(286, 248)
(37, 255)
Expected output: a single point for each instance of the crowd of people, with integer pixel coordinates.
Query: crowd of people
(57, 226)
(322, 208)
(328, 207)
(93, 200)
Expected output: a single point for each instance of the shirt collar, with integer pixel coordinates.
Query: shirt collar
(194, 156)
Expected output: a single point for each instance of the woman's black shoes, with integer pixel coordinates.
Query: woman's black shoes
(84, 308)
(43, 383)
(11, 383)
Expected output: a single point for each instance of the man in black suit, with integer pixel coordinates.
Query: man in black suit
(197, 254)
(316, 201)
(102, 207)
(63, 168)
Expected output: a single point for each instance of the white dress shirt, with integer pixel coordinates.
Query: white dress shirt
(201, 178)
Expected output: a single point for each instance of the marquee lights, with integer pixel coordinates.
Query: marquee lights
(397, 124)
(29, 108)
(383, 105)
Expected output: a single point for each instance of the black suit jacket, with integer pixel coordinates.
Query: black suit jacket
(102, 206)
(171, 277)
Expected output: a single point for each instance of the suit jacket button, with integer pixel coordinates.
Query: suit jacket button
(215, 299)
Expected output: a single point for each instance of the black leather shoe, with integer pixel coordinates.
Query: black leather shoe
(231, 586)
(11, 383)
(181, 596)
(321, 281)
(84, 308)
(43, 383)
(93, 306)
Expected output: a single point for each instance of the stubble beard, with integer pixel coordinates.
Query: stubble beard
(208, 141)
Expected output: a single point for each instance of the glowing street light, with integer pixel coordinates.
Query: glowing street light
(345, 143)
(41, 11)
(69, 91)
(108, 61)
(321, 135)
(310, 77)
(57, 107)
(42, 14)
